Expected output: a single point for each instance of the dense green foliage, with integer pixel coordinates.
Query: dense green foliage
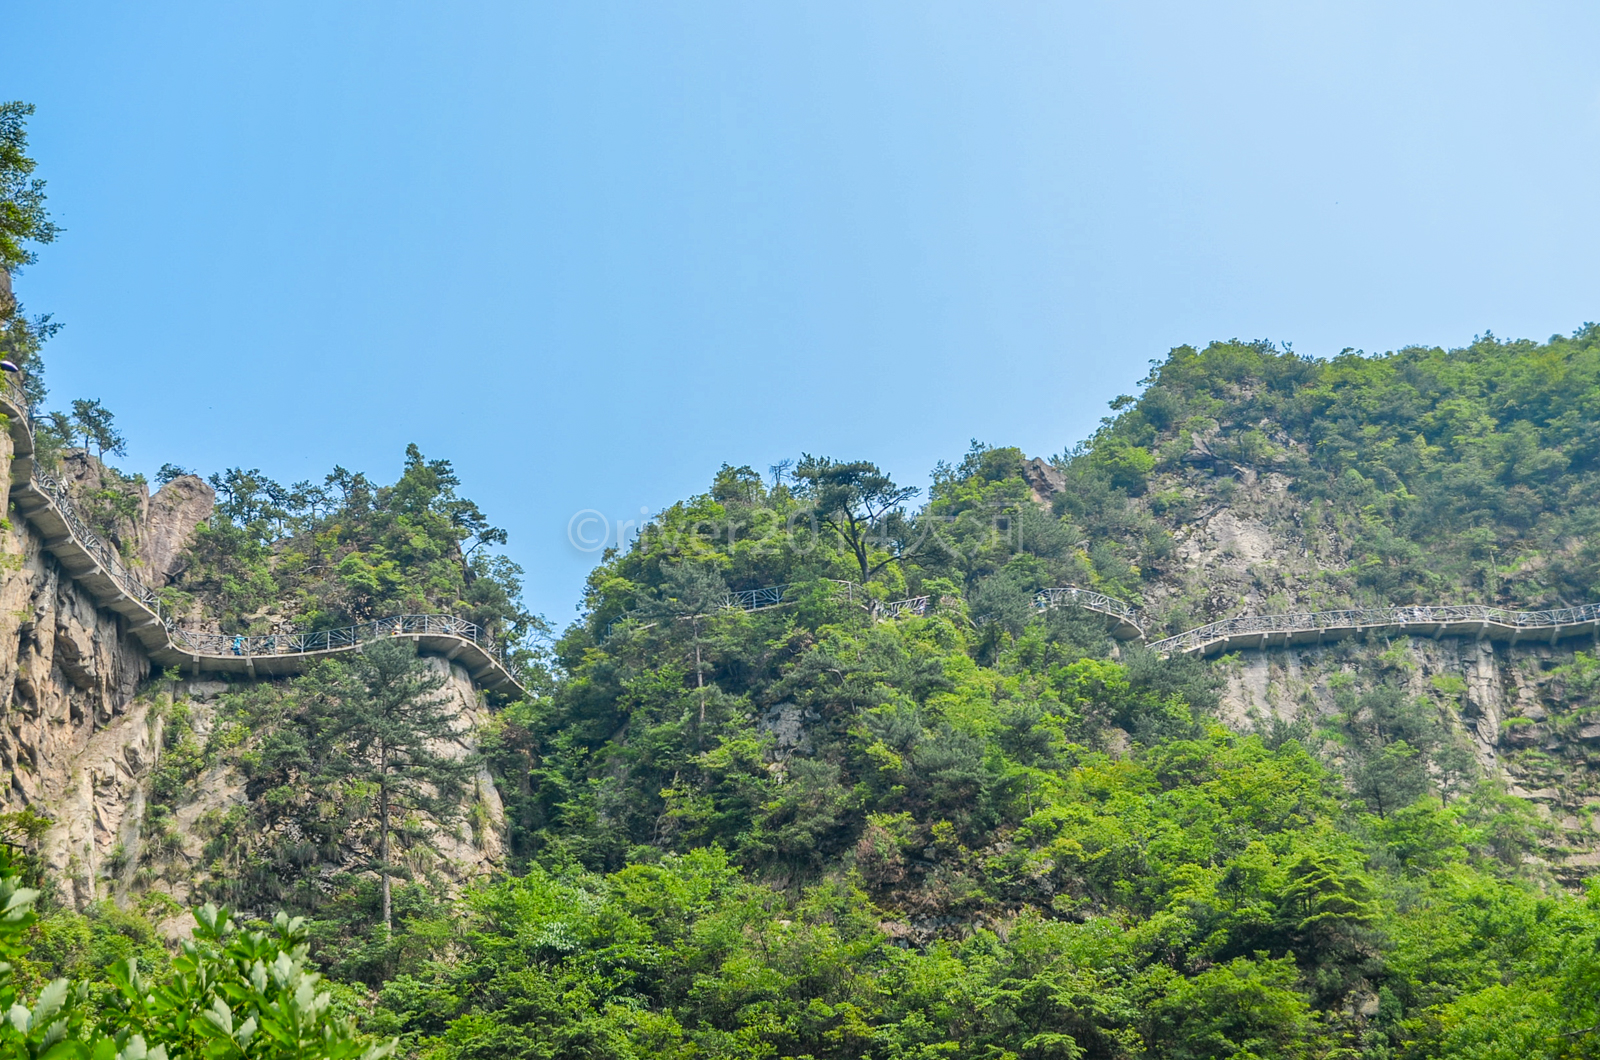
(227, 995)
(23, 217)
(806, 831)
(354, 772)
(836, 828)
(981, 831)
(24, 224)
(1437, 476)
(345, 551)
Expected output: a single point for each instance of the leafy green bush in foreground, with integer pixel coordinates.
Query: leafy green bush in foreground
(231, 995)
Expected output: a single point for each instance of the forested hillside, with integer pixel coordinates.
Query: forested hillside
(815, 775)
(834, 826)
(1417, 477)
(991, 831)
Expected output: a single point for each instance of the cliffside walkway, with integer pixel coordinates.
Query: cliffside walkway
(1318, 627)
(1268, 631)
(45, 502)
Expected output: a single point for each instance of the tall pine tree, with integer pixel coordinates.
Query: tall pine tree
(386, 720)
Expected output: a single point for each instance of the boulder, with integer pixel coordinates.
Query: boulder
(1043, 478)
(175, 511)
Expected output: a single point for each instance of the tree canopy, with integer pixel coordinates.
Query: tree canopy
(820, 826)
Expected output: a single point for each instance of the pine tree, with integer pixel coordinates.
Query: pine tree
(386, 721)
(95, 423)
(863, 506)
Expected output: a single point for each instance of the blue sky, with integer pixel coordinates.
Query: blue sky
(591, 251)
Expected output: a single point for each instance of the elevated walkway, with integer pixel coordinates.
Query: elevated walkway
(1319, 627)
(1123, 618)
(92, 562)
(1124, 621)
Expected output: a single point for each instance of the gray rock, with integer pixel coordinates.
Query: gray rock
(174, 512)
(1043, 479)
(81, 743)
(786, 724)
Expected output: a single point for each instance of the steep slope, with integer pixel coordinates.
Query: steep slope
(816, 775)
(1245, 477)
(116, 785)
(1247, 481)
(75, 736)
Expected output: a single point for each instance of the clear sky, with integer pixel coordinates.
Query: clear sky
(590, 251)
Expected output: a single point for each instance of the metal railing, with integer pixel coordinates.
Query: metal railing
(773, 595)
(754, 599)
(222, 644)
(332, 639)
(91, 542)
(1072, 596)
(1376, 618)
(915, 605)
(776, 595)
(12, 388)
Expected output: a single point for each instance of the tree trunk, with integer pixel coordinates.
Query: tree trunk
(699, 683)
(383, 839)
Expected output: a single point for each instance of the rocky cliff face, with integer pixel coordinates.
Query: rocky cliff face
(1240, 543)
(85, 723)
(69, 672)
(1218, 540)
(1234, 540)
(152, 531)
(175, 853)
(1527, 715)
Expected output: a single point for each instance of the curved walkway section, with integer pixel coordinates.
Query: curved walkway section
(1265, 631)
(1316, 627)
(44, 501)
(1125, 624)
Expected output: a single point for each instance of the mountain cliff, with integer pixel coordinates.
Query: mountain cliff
(1245, 480)
(116, 766)
(826, 770)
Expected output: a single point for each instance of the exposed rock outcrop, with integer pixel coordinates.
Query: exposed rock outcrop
(1514, 707)
(178, 863)
(68, 672)
(169, 522)
(152, 530)
(1043, 479)
(86, 721)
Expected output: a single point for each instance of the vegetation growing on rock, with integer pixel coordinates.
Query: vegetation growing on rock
(838, 825)
(348, 550)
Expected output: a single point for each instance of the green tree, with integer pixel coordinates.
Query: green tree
(23, 217)
(691, 593)
(23, 221)
(860, 504)
(383, 718)
(1241, 1009)
(96, 425)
